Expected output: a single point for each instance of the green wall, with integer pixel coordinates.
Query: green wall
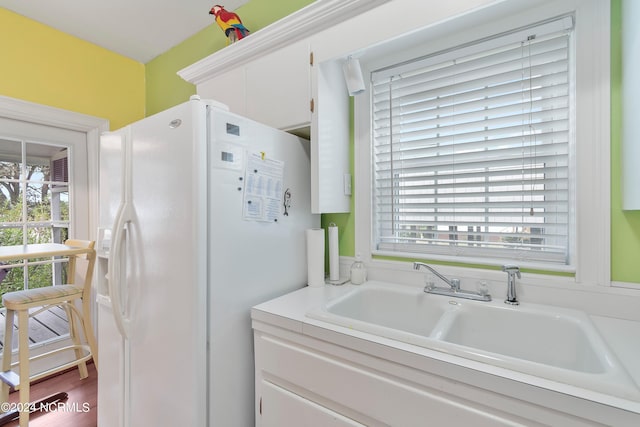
(625, 225)
(165, 88)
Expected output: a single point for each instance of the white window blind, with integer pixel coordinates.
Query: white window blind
(471, 149)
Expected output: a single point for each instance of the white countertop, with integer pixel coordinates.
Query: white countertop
(289, 312)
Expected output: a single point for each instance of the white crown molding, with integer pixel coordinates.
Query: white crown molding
(302, 24)
(26, 111)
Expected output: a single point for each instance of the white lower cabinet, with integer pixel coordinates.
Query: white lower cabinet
(319, 378)
(298, 386)
(281, 407)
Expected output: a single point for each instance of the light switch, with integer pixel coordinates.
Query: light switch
(347, 184)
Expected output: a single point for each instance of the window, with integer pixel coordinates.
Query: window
(34, 208)
(588, 241)
(472, 150)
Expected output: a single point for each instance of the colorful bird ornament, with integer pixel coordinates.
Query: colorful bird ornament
(230, 23)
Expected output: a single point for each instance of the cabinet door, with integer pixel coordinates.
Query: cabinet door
(330, 174)
(282, 408)
(228, 88)
(279, 87)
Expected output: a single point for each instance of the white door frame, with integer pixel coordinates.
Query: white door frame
(17, 109)
(30, 112)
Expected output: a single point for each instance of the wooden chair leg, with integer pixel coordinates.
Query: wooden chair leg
(88, 330)
(73, 333)
(23, 359)
(7, 352)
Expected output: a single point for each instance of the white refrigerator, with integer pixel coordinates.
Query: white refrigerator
(202, 215)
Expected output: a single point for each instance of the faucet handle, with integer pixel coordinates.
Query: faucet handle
(511, 269)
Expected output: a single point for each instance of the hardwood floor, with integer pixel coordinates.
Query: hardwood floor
(79, 410)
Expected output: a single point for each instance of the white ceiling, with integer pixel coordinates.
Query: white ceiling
(138, 29)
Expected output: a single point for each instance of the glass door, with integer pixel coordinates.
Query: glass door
(43, 185)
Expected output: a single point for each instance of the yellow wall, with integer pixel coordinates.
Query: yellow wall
(43, 65)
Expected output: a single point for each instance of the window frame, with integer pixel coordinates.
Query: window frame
(54, 224)
(590, 248)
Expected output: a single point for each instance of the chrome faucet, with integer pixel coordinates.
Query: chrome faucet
(453, 283)
(512, 271)
(454, 286)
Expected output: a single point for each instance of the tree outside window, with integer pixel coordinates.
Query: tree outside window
(34, 208)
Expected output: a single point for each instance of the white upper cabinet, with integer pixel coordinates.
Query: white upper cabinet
(330, 172)
(274, 89)
(631, 104)
(278, 87)
(228, 88)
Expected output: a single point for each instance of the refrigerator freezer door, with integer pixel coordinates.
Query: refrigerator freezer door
(166, 297)
(118, 254)
(111, 389)
(111, 378)
(115, 214)
(111, 181)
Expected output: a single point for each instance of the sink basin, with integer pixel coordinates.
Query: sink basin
(396, 313)
(555, 337)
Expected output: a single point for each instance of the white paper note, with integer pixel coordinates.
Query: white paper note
(263, 188)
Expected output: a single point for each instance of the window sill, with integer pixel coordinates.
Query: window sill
(478, 263)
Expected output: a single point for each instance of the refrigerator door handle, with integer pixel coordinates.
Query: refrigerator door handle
(114, 271)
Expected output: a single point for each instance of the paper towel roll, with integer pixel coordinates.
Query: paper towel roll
(334, 255)
(315, 257)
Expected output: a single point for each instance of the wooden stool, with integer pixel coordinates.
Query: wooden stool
(65, 296)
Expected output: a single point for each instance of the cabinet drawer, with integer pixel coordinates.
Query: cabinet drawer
(339, 384)
(282, 408)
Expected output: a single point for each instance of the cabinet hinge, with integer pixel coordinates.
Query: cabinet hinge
(311, 105)
(311, 58)
(260, 406)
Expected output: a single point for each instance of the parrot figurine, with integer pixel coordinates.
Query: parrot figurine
(230, 23)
